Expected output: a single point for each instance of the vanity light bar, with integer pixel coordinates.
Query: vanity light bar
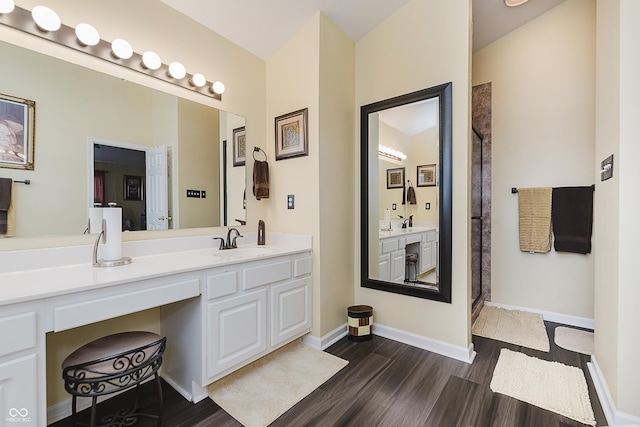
(119, 52)
(391, 153)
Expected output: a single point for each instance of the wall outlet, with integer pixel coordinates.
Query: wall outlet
(606, 168)
(290, 201)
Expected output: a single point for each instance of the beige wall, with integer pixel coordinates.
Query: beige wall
(314, 70)
(198, 156)
(616, 290)
(337, 155)
(438, 34)
(543, 80)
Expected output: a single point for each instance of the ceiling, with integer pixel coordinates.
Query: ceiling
(263, 26)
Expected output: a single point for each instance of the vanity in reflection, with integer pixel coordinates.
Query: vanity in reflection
(409, 184)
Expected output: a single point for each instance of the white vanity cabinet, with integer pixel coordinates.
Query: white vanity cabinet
(391, 265)
(246, 311)
(428, 250)
(21, 364)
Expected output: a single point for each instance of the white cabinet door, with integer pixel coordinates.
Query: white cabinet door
(434, 253)
(397, 266)
(384, 268)
(236, 330)
(18, 399)
(426, 257)
(290, 310)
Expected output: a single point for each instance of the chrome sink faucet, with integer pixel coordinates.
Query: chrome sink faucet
(229, 244)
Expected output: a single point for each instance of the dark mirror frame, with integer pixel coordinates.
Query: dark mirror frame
(443, 294)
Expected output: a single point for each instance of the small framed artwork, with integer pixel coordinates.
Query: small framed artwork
(292, 135)
(239, 147)
(17, 125)
(426, 176)
(133, 187)
(395, 178)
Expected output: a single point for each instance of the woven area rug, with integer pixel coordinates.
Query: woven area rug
(547, 385)
(259, 393)
(512, 326)
(574, 340)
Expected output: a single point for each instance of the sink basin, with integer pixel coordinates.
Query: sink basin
(244, 252)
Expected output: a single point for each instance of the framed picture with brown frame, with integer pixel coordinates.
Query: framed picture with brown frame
(133, 189)
(292, 135)
(239, 147)
(426, 176)
(17, 125)
(395, 178)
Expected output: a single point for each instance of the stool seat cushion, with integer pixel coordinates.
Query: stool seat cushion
(111, 345)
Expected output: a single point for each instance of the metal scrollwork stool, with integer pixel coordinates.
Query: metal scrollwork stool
(111, 364)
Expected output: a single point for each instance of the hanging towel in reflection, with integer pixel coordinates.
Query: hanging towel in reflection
(534, 219)
(411, 195)
(261, 179)
(572, 213)
(6, 185)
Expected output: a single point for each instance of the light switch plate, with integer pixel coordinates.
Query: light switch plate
(427, 206)
(606, 168)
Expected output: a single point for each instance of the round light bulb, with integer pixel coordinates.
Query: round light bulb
(87, 34)
(7, 6)
(177, 70)
(198, 80)
(45, 18)
(151, 60)
(218, 88)
(121, 48)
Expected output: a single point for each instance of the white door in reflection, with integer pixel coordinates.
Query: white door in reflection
(157, 189)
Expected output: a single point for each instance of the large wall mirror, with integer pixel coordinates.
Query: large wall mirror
(99, 140)
(406, 194)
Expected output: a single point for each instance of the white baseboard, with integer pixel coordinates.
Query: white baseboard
(455, 352)
(328, 340)
(614, 417)
(565, 319)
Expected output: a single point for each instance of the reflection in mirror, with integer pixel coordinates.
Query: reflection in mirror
(406, 194)
(75, 105)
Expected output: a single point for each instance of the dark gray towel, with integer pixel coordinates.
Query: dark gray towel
(411, 195)
(572, 218)
(261, 179)
(5, 202)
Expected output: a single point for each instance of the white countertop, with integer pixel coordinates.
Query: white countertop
(52, 276)
(396, 232)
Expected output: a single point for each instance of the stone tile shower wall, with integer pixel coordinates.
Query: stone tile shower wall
(481, 117)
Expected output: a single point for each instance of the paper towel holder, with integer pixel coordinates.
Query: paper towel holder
(105, 263)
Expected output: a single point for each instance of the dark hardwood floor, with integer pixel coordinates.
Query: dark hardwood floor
(387, 383)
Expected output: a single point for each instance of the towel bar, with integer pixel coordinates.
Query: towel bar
(514, 190)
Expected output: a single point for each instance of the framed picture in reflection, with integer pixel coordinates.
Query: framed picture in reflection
(17, 123)
(395, 178)
(426, 176)
(239, 146)
(133, 187)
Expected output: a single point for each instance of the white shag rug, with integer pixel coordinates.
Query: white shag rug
(512, 326)
(259, 393)
(547, 385)
(574, 340)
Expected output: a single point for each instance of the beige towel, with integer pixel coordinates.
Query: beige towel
(534, 212)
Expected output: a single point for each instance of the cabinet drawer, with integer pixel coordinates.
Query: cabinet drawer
(261, 275)
(302, 266)
(17, 333)
(389, 245)
(219, 285)
(98, 309)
